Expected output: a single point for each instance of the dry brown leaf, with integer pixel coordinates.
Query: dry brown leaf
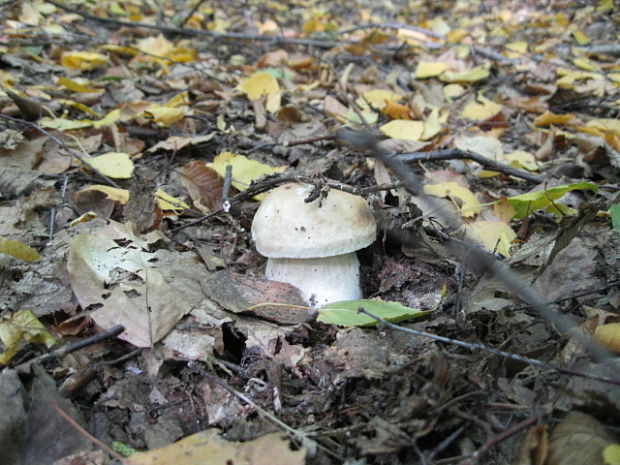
(203, 184)
(578, 440)
(534, 447)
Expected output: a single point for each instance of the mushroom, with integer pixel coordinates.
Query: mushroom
(312, 245)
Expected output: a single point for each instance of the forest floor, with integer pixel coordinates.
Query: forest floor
(137, 140)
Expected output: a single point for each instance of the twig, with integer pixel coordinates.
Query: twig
(92, 438)
(409, 27)
(52, 222)
(198, 32)
(300, 435)
(473, 346)
(191, 13)
(495, 440)
(69, 348)
(466, 248)
(70, 151)
(574, 296)
(458, 154)
(493, 55)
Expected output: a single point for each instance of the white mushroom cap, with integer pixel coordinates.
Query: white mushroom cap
(287, 227)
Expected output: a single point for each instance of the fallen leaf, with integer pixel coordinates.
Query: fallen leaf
(549, 118)
(525, 204)
(470, 206)
(346, 313)
(494, 236)
(427, 69)
(203, 184)
(18, 249)
(579, 439)
(115, 165)
(84, 61)
(20, 326)
(244, 170)
(403, 129)
(481, 109)
(608, 335)
(209, 448)
(478, 73)
(259, 84)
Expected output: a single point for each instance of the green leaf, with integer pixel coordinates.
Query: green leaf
(346, 313)
(18, 249)
(614, 211)
(278, 73)
(526, 203)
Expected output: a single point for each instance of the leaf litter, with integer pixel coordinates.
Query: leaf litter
(136, 142)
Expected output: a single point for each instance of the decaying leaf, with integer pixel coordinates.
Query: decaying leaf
(209, 448)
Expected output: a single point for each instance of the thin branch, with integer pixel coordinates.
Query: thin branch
(273, 419)
(466, 249)
(199, 32)
(495, 440)
(476, 346)
(74, 153)
(92, 438)
(458, 154)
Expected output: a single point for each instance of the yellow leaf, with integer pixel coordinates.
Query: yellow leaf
(472, 75)
(64, 124)
(427, 69)
(611, 454)
(581, 37)
(469, 203)
(169, 203)
(209, 448)
(22, 325)
(605, 6)
(378, 98)
(244, 170)
(130, 51)
(259, 84)
(118, 195)
(396, 110)
(453, 91)
(159, 45)
(481, 110)
(108, 119)
(486, 146)
(18, 249)
(456, 36)
(180, 99)
(519, 47)
(115, 165)
(605, 124)
(494, 236)
(586, 64)
(432, 125)
(69, 124)
(80, 106)
(274, 102)
(84, 61)
(608, 336)
(75, 86)
(521, 159)
(403, 129)
(165, 116)
(84, 218)
(548, 118)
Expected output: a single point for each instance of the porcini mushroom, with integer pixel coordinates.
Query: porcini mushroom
(312, 245)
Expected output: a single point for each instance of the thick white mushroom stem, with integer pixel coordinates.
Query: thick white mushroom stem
(321, 280)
